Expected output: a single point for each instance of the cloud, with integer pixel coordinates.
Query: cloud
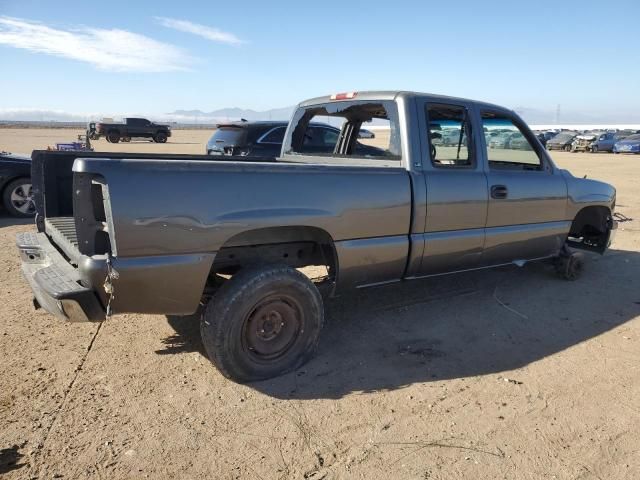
(203, 31)
(107, 49)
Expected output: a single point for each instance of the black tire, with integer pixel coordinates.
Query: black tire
(113, 136)
(594, 149)
(567, 148)
(570, 267)
(17, 198)
(160, 137)
(263, 322)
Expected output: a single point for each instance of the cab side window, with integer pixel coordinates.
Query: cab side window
(448, 135)
(508, 147)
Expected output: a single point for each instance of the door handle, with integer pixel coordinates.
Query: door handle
(499, 191)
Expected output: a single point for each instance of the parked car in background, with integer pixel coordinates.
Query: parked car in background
(582, 143)
(606, 141)
(503, 140)
(519, 142)
(264, 139)
(562, 141)
(631, 144)
(133, 128)
(451, 136)
(15, 184)
(544, 137)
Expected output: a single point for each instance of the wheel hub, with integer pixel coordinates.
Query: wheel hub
(22, 198)
(272, 327)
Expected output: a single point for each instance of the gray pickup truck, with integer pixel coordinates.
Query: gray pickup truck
(180, 234)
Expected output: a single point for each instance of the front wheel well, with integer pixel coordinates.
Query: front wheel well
(590, 228)
(593, 219)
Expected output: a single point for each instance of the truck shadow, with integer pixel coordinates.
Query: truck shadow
(455, 326)
(10, 458)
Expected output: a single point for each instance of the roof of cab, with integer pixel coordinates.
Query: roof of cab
(393, 95)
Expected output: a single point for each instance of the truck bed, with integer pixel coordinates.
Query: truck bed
(51, 173)
(132, 206)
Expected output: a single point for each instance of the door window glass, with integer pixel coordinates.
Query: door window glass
(508, 147)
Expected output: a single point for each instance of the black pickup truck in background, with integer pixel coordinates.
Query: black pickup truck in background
(133, 128)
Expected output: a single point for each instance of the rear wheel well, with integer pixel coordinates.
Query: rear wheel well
(296, 246)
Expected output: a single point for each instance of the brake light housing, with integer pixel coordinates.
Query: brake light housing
(344, 96)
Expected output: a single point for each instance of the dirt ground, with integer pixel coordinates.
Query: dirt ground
(512, 374)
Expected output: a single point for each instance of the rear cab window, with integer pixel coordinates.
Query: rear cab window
(329, 133)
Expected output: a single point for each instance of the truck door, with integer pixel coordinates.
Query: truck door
(456, 188)
(526, 216)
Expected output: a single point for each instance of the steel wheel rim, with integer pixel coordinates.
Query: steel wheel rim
(22, 199)
(272, 327)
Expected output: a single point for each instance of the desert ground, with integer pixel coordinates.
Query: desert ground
(508, 374)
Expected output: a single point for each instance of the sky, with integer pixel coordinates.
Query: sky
(154, 57)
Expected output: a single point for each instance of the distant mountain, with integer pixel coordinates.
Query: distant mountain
(233, 113)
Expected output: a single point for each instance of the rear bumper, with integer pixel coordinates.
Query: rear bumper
(168, 285)
(55, 283)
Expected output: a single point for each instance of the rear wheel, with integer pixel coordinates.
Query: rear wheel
(113, 136)
(263, 322)
(160, 137)
(18, 198)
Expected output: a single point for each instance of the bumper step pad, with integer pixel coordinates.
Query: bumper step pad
(58, 283)
(54, 281)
